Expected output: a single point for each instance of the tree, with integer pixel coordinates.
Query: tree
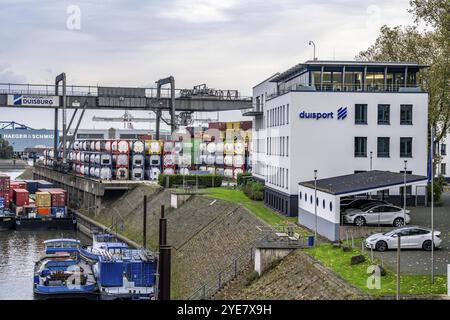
(430, 47)
(6, 151)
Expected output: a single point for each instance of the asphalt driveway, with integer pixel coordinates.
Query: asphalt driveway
(419, 261)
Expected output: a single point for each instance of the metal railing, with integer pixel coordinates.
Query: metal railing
(328, 87)
(245, 259)
(77, 90)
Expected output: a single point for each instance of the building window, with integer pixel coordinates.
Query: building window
(405, 147)
(444, 169)
(287, 114)
(331, 206)
(406, 114)
(310, 199)
(323, 203)
(383, 147)
(383, 114)
(443, 149)
(300, 195)
(360, 147)
(361, 114)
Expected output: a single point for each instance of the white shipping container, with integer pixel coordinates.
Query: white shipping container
(137, 174)
(239, 148)
(122, 160)
(138, 160)
(238, 161)
(122, 174)
(138, 147)
(228, 148)
(105, 173)
(178, 147)
(155, 160)
(123, 146)
(228, 160)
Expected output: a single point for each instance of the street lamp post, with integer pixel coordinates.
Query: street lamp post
(404, 192)
(371, 154)
(432, 203)
(315, 204)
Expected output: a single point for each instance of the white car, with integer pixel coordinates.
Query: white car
(377, 214)
(411, 237)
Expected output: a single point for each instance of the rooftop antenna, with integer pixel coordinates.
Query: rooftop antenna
(314, 47)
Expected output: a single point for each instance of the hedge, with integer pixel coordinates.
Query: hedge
(254, 190)
(240, 177)
(207, 180)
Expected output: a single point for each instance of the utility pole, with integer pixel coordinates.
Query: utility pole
(398, 266)
(144, 240)
(315, 204)
(404, 192)
(432, 204)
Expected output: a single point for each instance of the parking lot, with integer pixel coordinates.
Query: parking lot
(419, 261)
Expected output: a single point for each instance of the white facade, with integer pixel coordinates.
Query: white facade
(295, 146)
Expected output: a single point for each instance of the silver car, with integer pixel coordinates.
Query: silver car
(374, 214)
(411, 237)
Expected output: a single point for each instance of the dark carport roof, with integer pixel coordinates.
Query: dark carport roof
(362, 182)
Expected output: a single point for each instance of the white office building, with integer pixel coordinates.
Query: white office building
(337, 117)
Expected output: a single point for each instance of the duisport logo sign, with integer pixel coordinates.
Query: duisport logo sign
(341, 114)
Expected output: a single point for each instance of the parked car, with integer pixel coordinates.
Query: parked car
(359, 203)
(377, 214)
(411, 237)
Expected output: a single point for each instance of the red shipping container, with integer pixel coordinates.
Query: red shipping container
(4, 182)
(16, 185)
(21, 197)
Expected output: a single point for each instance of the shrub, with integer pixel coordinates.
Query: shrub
(254, 190)
(250, 278)
(206, 181)
(438, 189)
(240, 177)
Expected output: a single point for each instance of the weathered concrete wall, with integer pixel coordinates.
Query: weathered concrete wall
(296, 277)
(265, 257)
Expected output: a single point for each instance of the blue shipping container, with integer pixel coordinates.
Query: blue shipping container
(111, 274)
(42, 184)
(141, 273)
(60, 210)
(32, 186)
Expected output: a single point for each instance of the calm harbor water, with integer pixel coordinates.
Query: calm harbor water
(19, 250)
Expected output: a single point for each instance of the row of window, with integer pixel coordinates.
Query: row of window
(277, 203)
(384, 114)
(383, 147)
(305, 198)
(278, 146)
(278, 176)
(259, 145)
(278, 116)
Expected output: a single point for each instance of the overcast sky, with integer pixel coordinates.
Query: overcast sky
(227, 44)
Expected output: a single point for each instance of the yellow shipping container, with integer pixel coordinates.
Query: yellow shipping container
(43, 199)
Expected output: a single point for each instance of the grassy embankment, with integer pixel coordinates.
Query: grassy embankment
(256, 207)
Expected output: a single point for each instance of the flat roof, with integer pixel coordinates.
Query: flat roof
(362, 182)
(302, 66)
